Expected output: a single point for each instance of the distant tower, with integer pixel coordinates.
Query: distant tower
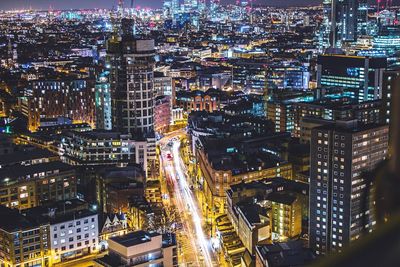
(175, 7)
(9, 52)
(103, 102)
(362, 17)
(128, 27)
(167, 8)
(325, 27)
(343, 21)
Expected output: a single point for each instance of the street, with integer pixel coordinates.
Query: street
(195, 244)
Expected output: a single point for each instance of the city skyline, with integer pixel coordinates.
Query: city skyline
(85, 4)
(199, 134)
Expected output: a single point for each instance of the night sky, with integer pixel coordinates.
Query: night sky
(67, 4)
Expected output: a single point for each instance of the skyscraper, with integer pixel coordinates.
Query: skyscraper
(103, 102)
(340, 206)
(175, 6)
(344, 14)
(325, 27)
(131, 63)
(362, 17)
(391, 82)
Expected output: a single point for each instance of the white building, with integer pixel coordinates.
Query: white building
(75, 235)
(74, 230)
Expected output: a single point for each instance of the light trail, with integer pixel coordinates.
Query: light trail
(186, 201)
(182, 208)
(189, 199)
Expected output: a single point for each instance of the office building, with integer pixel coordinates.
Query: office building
(335, 108)
(284, 202)
(102, 147)
(281, 113)
(362, 18)
(24, 156)
(224, 162)
(343, 21)
(387, 41)
(163, 85)
(361, 77)
(285, 214)
(162, 114)
(324, 30)
(115, 186)
(340, 155)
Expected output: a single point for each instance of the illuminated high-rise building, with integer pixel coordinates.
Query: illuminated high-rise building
(343, 21)
(167, 8)
(340, 154)
(325, 27)
(175, 6)
(360, 77)
(103, 102)
(362, 17)
(387, 41)
(214, 5)
(131, 63)
(190, 5)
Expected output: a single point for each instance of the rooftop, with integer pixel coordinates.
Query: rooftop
(267, 184)
(134, 238)
(252, 212)
(60, 211)
(286, 198)
(351, 126)
(12, 174)
(286, 254)
(25, 155)
(244, 155)
(15, 220)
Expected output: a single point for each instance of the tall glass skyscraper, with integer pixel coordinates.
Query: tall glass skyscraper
(344, 21)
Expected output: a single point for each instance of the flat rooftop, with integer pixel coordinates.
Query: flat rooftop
(134, 238)
(63, 211)
(13, 221)
(25, 155)
(13, 174)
